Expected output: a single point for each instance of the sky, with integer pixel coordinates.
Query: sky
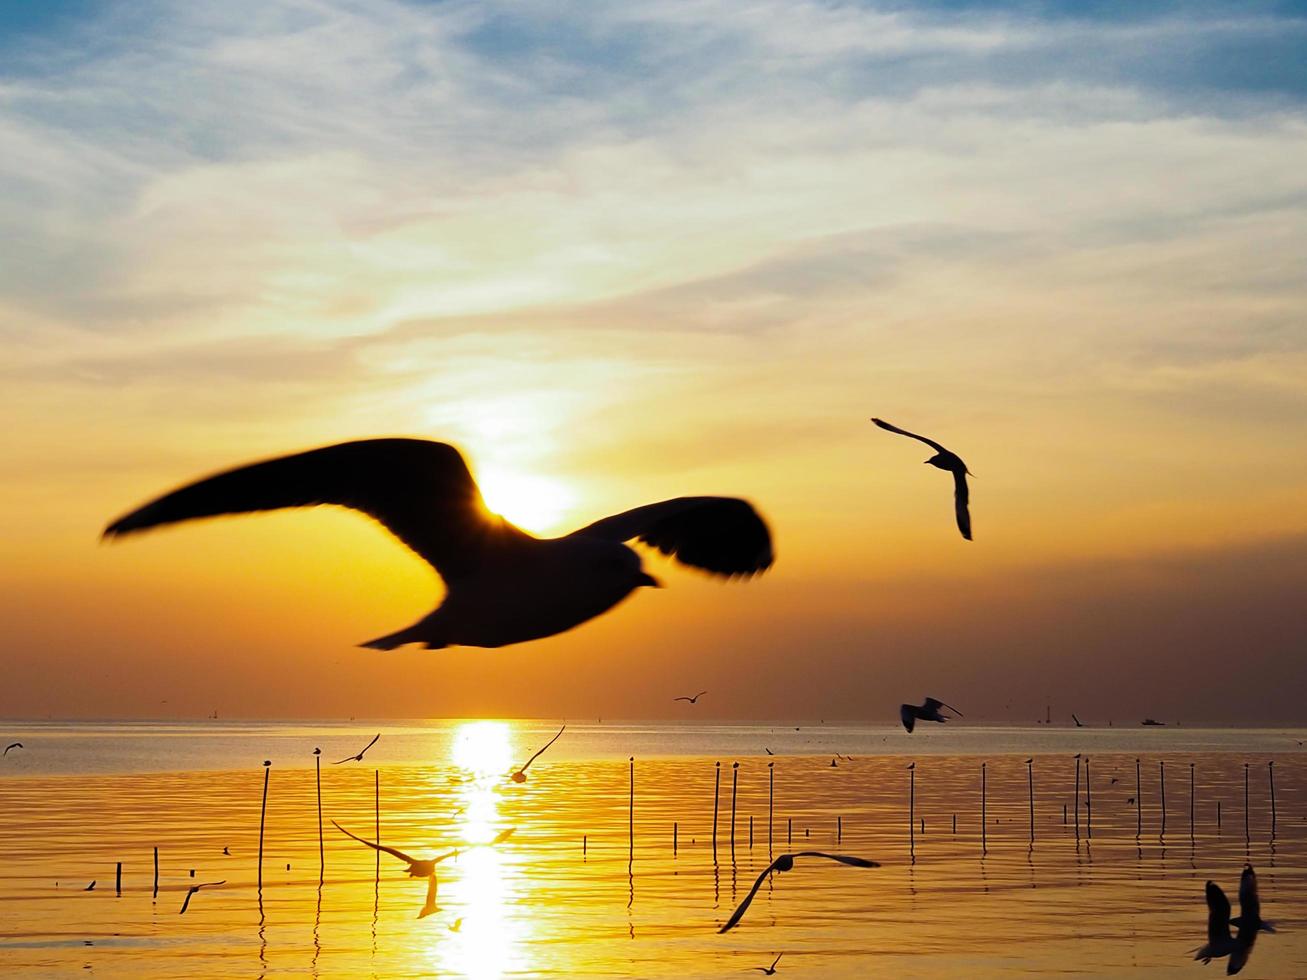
(622, 252)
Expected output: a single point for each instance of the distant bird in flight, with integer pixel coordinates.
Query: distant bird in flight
(1079, 723)
(12, 745)
(520, 775)
(768, 751)
(770, 970)
(944, 460)
(928, 711)
(194, 888)
(359, 757)
(785, 862)
(503, 585)
(693, 700)
(1219, 941)
(90, 887)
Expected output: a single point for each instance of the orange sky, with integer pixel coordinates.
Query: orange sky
(629, 268)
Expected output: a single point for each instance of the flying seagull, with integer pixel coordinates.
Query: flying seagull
(424, 869)
(12, 745)
(944, 460)
(359, 757)
(194, 889)
(1250, 904)
(770, 970)
(520, 775)
(503, 585)
(785, 862)
(1219, 941)
(1079, 723)
(927, 711)
(693, 700)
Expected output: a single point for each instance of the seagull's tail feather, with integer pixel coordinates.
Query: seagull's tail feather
(420, 632)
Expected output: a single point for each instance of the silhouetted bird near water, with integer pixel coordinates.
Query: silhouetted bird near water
(785, 862)
(1219, 941)
(693, 700)
(359, 757)
(520, 775)
(770, 970)
(11, 745)
(503, 585)
(944, 460)
(928, 711)
(193, 889)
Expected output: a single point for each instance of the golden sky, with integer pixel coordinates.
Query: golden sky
(617, 255)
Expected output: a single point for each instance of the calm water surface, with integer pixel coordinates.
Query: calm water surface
(569, 894)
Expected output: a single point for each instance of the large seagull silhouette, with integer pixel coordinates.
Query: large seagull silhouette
(503, 585)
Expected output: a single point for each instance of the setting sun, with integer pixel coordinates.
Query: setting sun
(533, 503)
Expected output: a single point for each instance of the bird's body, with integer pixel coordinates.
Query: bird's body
(12, 745)
(193, 889)
(693, 700)
(519, 775)
(416, 868)
(909, 714)
(785, 862)
(504, 586)
(770, 970)
(951, 462)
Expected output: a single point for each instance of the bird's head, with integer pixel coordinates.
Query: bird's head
(939, 460)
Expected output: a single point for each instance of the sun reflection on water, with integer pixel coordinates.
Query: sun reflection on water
(484, 882)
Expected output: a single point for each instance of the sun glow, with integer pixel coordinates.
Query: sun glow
(535, 503)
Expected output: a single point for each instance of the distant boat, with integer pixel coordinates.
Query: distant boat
(1150, 722)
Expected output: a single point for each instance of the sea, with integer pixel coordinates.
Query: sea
(1001, 851)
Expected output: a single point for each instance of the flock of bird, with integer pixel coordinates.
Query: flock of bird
(506, 586)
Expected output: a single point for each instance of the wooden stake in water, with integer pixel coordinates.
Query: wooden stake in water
(1139, 803)
(1030, 780)
(630, 820)
(1245, 801)
(912, 807)
(263, 814)
(322, 850)
(984, 822)
(751, 831)
(1270, 772)
(584, 844)
(1089, 803)
(839, 829)
(156, 872)
(118, 880)
(1218, 814)
(673, 838)
(955, 823)
(1191, 803)
(1161, 767)
(735, 782)
(376, 811)
(1077, 796)
(716, 798)
(789, 831)
(771, 794)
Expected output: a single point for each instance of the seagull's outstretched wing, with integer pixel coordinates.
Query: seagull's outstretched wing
(376, 847)
(748, 899)
(936, 703)
(541, 750)
(911, 435)
(358, 756)
(421, 491)
(848, 859)
(908, 716)
(429, 905)
(1218, 915)
(1250, 903)
(961, 500)
(194, 888)
(722, 535)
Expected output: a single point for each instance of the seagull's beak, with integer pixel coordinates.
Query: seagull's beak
(644, 578)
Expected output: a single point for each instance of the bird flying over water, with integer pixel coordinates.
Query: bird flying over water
(503, 585)
(1219, 941)
(693, 700)
(359, 757)
(944, 460)
(1079, 723)
(770, 970)
(11, 745)
(785, 862)
(520, 775)
(194, 888)
(927, 711)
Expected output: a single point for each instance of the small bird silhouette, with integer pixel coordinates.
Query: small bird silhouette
(1130, 800)
(693, 700)
(11, 745)
(1079, 723)
(944, 460)
(770, 970)
(768, 751)
(520, 775)
(226, 851)
(194, 888)
(359, 757)
(90, 887)
(785, 862)
(456, 925)
(503, 585)
(927, 711)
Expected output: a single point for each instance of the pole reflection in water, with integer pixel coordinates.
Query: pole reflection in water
(481, 884)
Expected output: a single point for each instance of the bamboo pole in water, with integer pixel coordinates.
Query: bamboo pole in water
(1139, 802)
(716, 800)
(322, 849)
(156, 871)
(912, 808)
(1270, 772)
(263, 814)
(1191, 803)
(630, 819)
(118, 880)
(1089, 803)
(1161, 767)
(1245, 801)
(735, 783)
(376, 811)
(1077, 796)
(984, 829)
(1030, 780)
(771, 794)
